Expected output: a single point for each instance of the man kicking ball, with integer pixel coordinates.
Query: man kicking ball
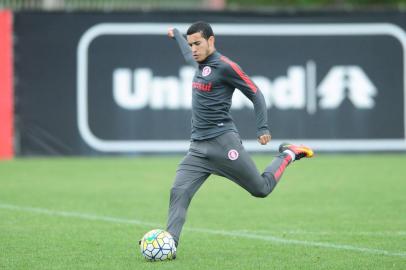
(216, 146)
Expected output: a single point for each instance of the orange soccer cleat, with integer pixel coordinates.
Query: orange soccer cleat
(300, 151)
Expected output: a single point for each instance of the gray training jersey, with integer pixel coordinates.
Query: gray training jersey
(214, 83)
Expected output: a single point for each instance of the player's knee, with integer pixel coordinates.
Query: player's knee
(179, 194)
(176, 193)
(259, 193)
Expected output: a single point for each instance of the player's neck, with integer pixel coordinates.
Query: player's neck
(209, 56)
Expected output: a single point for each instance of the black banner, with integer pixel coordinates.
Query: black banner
(115, 83)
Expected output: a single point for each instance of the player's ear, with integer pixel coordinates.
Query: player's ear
(211, 41)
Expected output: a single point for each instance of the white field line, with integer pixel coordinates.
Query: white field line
(237, 234)
(348, 233)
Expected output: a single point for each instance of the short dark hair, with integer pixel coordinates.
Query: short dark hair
(201, 27)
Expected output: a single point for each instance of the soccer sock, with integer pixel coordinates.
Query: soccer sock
(291, 154)
(276, 168)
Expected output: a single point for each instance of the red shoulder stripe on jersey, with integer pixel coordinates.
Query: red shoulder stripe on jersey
(241, 73)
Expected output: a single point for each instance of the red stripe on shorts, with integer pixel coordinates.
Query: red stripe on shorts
(282, 168)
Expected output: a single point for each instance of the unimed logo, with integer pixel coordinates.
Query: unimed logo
(340, 82)
(138, 89)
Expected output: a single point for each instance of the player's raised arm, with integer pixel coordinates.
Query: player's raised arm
(237, 78)
(183, 45)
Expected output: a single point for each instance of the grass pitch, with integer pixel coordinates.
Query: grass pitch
(330, 212)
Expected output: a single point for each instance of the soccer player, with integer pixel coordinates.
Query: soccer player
(216, 147)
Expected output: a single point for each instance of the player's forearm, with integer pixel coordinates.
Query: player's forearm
(185, 49)
(261, 114)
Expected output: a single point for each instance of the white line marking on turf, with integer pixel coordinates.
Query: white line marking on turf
(306, 243)
(349, 233)
(239, 234)
(77, 215)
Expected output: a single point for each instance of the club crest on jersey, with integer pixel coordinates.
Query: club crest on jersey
(233, 154)
(206, 71)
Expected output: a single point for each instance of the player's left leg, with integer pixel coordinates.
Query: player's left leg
(287, 154)
(230, 160)
(296, 151)
(233, 162)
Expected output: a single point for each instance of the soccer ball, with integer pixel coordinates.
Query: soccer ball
(158, 245)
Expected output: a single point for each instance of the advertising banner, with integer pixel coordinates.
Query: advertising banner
(115, 83)
(6, 86)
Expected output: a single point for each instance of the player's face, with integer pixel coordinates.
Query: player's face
(201, 47)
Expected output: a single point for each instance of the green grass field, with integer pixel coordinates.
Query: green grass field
(331, 212)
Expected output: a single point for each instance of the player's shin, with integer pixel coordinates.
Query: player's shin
(278, 166)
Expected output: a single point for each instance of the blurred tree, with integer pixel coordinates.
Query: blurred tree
(111, 5)
(316, 3)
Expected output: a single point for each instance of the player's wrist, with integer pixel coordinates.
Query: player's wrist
(176, 32)
(262, 132)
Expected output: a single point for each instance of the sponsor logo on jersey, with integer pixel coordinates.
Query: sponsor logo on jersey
(205, 87)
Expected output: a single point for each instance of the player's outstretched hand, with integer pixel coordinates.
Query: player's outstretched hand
(170, 32)
(264, 139)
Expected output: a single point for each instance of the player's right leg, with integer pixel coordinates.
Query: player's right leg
(191, 174)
